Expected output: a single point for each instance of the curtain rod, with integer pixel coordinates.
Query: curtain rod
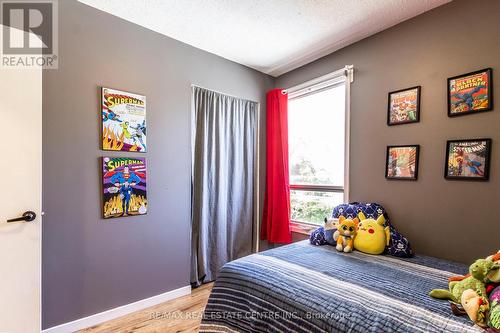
(222, 93)
(346, 71)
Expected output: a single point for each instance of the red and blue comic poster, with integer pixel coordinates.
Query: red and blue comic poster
(123, 121)
(124, 186)
(470, 93)
(468, 159)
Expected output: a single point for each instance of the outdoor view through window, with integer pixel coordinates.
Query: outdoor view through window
(316, 129)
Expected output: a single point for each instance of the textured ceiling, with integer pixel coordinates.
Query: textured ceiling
(271, 36)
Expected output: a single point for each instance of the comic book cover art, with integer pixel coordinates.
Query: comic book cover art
(123, 121)
(124, 186)
(402, 162)
(404, 106)
(470, 93)
(468, 159)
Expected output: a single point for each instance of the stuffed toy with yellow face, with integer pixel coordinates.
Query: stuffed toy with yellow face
(345, 234)
(371, 237)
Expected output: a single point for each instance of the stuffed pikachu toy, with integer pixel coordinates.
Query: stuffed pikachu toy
(371, 236)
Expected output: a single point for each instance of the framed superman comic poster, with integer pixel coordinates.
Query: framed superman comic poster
(470, 93)
(123, 121)
(124, 191)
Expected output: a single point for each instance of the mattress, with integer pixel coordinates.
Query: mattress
(305, 288)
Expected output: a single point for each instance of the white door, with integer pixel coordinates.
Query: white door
(20, 192)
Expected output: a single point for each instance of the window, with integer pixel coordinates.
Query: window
(316, 130)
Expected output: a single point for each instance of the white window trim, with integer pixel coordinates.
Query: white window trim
(346, 76)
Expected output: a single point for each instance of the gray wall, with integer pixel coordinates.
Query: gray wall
(450, 219)
(91, 265)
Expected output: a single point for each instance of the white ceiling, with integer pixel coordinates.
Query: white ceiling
(271, 36)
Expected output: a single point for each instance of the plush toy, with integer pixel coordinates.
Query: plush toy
(494, 315)
(478, 273)
(330, 227)
(470, 293)
(371, 236)
(482, 311)
(345, 234)
(493, 275)
(476, 307)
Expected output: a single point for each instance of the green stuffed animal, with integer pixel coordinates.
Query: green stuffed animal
(478, 275)
(494, 273)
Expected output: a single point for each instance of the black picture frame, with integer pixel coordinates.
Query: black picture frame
(487, 159)
(388, 176)
(489, 72)
(389, 108)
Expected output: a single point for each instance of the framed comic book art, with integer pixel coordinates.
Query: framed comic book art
(402, 162)
(123, 121)
(470, 93)
(404, 106)
(124, 186)
(468, 159)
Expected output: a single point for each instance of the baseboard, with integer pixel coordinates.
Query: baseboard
(120, 311)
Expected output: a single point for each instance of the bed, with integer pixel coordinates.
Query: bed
(305, 288)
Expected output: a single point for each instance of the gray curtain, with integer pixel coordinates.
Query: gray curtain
(223, 170)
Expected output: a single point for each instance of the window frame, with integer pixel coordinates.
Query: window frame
(329, 81)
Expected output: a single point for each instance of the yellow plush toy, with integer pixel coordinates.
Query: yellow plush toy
(371, 236)
(345, 233)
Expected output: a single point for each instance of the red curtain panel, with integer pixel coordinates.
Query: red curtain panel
(276, 217)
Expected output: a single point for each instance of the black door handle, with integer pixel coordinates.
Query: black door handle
(27, 217)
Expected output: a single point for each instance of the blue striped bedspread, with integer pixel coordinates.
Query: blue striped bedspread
(305, 288)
